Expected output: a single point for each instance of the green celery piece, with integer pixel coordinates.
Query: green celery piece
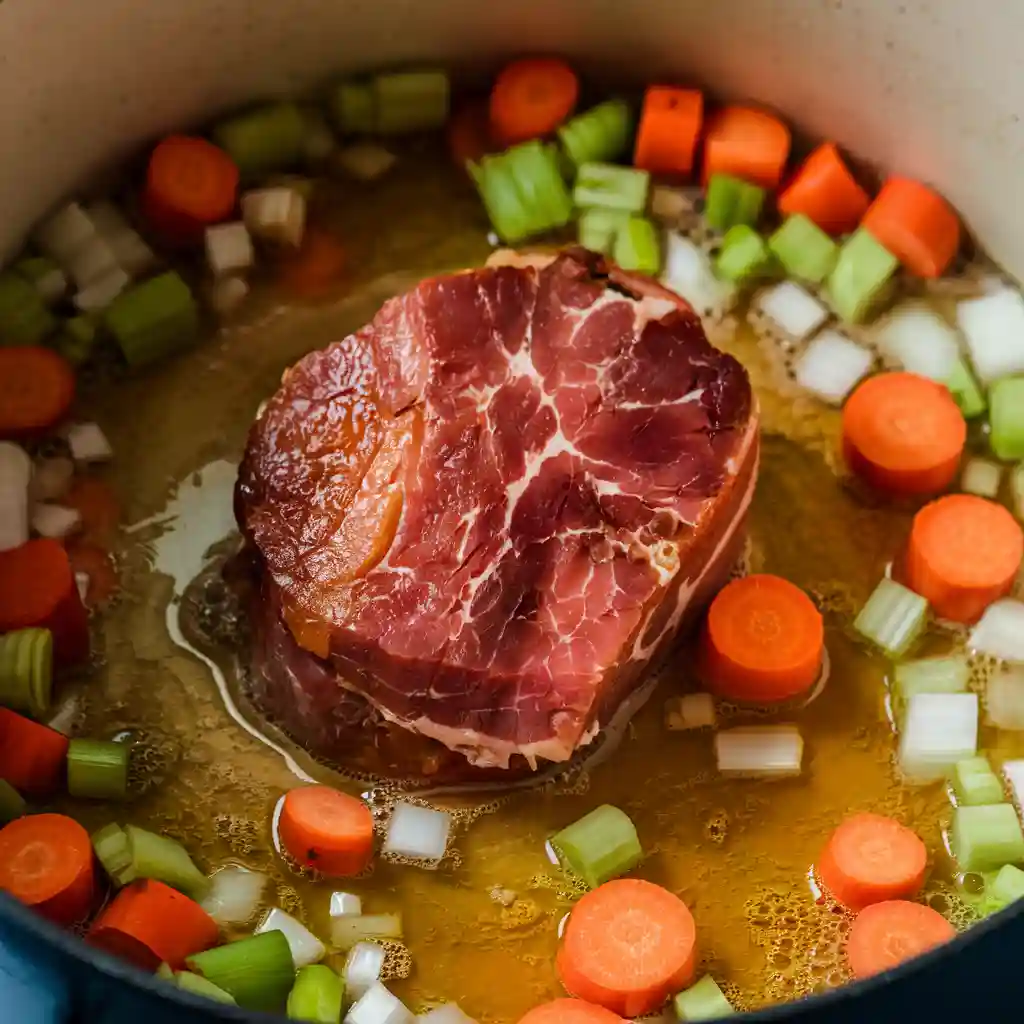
(731, 201)
(257, 971)
(965, 391)
(24, 316)
(861, 277)
(352, 105)
(114, 852)
(199, 986)
(949, 674)
(703, 1000)
(502, 201)
(611, 186)
(599, 134)
(600, 846)
(893, 618)
(264, 140)
(1007, 887)
(637, 246)
(804, 250)
(1006, 418)
(76, 341)
(98, 769)
(597, 228)
(153, 319)
(410, 101)
(986, 837)
(26, 671)
(12, 804)
(317, 995)
(976, 784)
(538, 177)
(744, 255)
(165, 860)
(165, 973)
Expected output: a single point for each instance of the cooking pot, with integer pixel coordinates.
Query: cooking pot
(930, 88)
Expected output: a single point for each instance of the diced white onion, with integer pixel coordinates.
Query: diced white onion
(792, 309)
(688, 273)
(51, 478)
(228, 248)
(102, 291)
(939, 729)
(15, 475)
(378, 1006)
(917, 339)
(450, 1013)
(1000, 631)
(350, 929)
(132, 253)
(762, 751)
(63, 233)
(693, 711)
(982, 477)
(363, 965)
(345, 903)
(88, 443)
(92, 262)
(1014, 773)
(55, 520)
(305, 946)
(993, 327)
(365, 161)
(1004, 699)
(669, 203)
(276, 214)
(832, 365)
(420, 833)
(227, 294)
(82, 586)
(235, 895)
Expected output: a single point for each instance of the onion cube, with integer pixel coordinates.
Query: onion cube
(939, 729)
(792, 308)
(276, 214)
(344, 903)
(88, 443)
(64, 233)
(693, 711)
(228, 248)
(981, 477)
(450, 1013)
(1004, 699)
(92, 262)
(15, 475)
(235, 895)
(832, 365)
(132, 253)
(363, 965)
(305, 946)
(1000, 631)
(55, 521)
(102, 291)
(918, 340)
(420, 833)
(993, 327)
(688, 272)
(226, 294)
(378, 1006)
(760, 751)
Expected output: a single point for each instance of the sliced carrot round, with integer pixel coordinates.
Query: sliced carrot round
(964, 553)
(628, 945)
(669, 130)
(824, 190)
(37, 387)
(903, 434)
(916, 225)
(531, 98)
(149, 923)
(763, 641)
(46, 862)
(571, 1011)
(328, 830)
(469, 133)
(885, 935)
(32, 756)
(869, 859)
(747, 143)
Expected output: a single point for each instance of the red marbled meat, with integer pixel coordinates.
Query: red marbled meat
(488, 510)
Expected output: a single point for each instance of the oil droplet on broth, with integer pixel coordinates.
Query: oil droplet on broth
(736, 851)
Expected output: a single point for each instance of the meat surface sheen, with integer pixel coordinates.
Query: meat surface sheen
(489, 509)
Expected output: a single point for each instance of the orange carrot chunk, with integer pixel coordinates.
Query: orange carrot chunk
(469, 133)
(916, 225)
(32, 756)
(325, 829)
(826, 192)
(149, 923)
(963, 554)
(316, 267)
(669, 130)
(190, 184)
(531, 98)
(885, 935)
(870, 859)
(46, 862)
(571, 1011)
(37, 589)
(903, 434)
(37, 387)
(628, 945)
(749, 144)
(763, 641)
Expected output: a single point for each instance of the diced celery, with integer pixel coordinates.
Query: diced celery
(803, 249)
(153, 319)
(12, 804)
(703, 1000)
(76, 341)
(600, 846)
(114, 852)
(744, 255)
(637, 246)
(317, 995)
(975, 783)
(165, 860)
(257, 972)
(731, 201)
(601, 133)
(986, 837)
(597, 228)
(1007, 887)
(949, 674)
(860, 278)
(199, 986)
(410, 101)
(893, 618)
(610, 186)
(26, 671)
(352, 104)
(24, 316)
(264, 140)
(965, 391)
(1006, 417)
(98, 769)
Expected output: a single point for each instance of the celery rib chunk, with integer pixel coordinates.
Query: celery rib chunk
(804, 250)
(600, 846)
(153, 319)
(257, 972)
(985, 838)
(600, 134)
(744, 255)
(410, 101)
(893, 618)
(861, 277)
(975, 783)
(731, 201)
(261, 141)
(317, 995)
(98, 769)
(1006, 418)
(611, 187)
(703, 1000)
(636, 246)
(26, 671)
(597, 228)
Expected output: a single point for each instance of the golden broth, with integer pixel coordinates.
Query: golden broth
(737, 851)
